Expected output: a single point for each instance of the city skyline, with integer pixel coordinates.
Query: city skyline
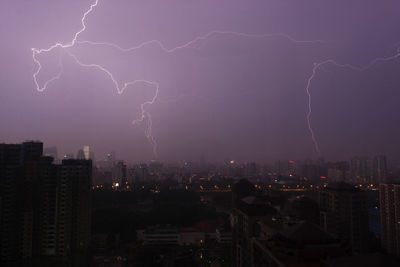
(223, 133)
(232, 86)
(73, 213)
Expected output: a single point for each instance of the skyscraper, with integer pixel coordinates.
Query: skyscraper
(86, 152)
(380, 169)
(389, 197)
(74, 204)
(44, 207)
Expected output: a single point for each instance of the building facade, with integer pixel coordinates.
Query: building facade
(344, 213)
(44, 207)
(389, 197)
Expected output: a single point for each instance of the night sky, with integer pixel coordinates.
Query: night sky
(225, 96)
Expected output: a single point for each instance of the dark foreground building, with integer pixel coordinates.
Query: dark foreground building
(44, 208)
(344, 213)
(263, 234)
(389, 195)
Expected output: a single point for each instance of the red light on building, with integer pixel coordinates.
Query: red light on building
(124, 164)
(323, 177)
(291, 161)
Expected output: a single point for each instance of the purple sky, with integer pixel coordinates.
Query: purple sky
(223, 97)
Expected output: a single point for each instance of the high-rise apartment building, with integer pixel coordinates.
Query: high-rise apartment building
(380, 169)
(368, 169)
(343, 212)
(44, 208)
(389, 196)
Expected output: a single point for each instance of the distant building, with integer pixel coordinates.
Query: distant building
(310, 171)
(86, 152)
(142, 173)
(155, 167)
(68, 156)
(380, 167)
(80, 155)
(51, 152)
(389, 196)
(335, 176)
(111, 159)
(292, 168)
(372, 170)
(119, 175)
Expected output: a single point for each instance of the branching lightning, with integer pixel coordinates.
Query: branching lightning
(145, 116)
(321, 66)
(58, 45)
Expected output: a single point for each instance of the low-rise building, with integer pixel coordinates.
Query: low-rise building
(157, 235)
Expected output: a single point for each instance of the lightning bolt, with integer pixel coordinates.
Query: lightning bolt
(36, 52)
(201, 38)
(145, 115)
(321, 66)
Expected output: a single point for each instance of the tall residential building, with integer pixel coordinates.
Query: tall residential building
(74, 206)
(389, 196)
(14, 215)
(344, 213)
(380, 169)
(44, 207)
(368, 169)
